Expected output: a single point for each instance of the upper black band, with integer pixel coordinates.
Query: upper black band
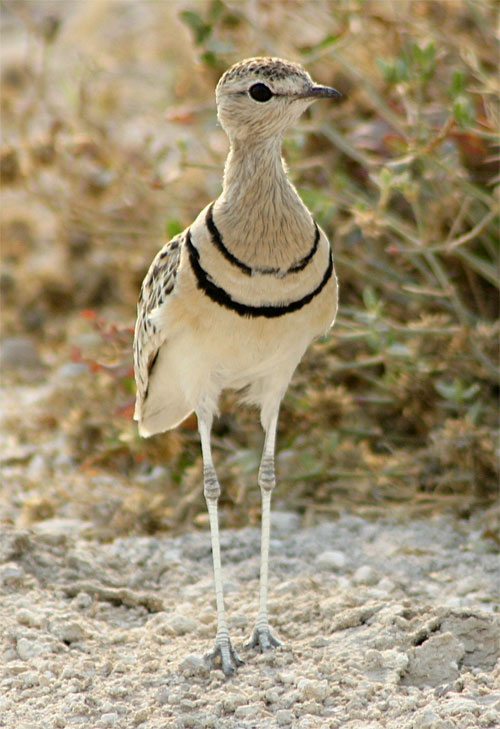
(248, 270)
(220, 296)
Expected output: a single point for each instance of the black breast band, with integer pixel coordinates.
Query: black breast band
(248, 270)
(206, 284)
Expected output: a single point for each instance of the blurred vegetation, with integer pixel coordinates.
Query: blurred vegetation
(111, 144)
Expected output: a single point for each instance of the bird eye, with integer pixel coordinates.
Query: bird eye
(260, 92)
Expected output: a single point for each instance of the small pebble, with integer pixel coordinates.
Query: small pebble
(271, 696)
(332, 560)
(285, 521)
(315, 690)
(68, 631)
(18, 353)
(248, 712)
(284, 717)
(193, 665)
(11, 574)
(365, 575)
(109, 719)
(27, 649)
(31, 678)
(163, 695)
(287, 678)
(70, 371)
(29, 618)
(308, 721)
(386, 585)
(182, 624)
(83, 600)
(490, 718)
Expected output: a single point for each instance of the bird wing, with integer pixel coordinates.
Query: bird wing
(158, 284)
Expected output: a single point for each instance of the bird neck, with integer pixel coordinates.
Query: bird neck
(259, 213)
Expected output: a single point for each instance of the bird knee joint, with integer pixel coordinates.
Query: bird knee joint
(267, 479)
(211, 487)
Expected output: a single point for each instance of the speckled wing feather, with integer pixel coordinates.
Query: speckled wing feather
(156, 287)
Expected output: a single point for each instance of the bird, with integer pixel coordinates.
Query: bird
(234, 300)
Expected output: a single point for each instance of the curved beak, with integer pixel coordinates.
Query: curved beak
(321, 92)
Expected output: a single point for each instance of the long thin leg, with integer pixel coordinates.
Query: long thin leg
(262, 636)
(223, 648)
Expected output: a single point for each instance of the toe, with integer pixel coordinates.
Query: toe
(225, 657)
(264, 640)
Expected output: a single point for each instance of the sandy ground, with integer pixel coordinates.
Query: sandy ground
(384, 625)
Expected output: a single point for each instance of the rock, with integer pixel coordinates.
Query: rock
(70, 371)
(193, 665)
(83, 600)
(490, 718)
(37, 470)
(308, 721)
(365, 575)
(331, 560)
(30, 679)
(460, 705)
(232, 700)
(425, 719)
(285, 717)
(386, 585)
(60, 526)
(182, 624)
(479, 634)
(67, 630)
(287, 678)
(271, 696)
(285, 521)
(109, 719)
(249, 712)
(385, 666)
(11, 574)
(19, 353)
(29, 618)
(435, 661)
(162, 695)
(313, 690)
(27, 648)
(291, 587)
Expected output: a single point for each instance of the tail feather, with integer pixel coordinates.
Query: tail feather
(164, 404)
(162, 418)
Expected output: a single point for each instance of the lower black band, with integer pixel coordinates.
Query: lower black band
(221, 297)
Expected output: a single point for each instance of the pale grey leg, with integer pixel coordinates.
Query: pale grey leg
(223, 648)
(262, 636)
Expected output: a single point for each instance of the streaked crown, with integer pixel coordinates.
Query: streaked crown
(260, 97)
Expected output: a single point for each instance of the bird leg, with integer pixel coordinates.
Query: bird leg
(262, 637)
(223, 648)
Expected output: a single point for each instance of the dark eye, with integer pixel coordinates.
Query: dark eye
(260, 92)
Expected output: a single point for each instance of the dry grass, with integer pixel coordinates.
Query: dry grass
(110, 143)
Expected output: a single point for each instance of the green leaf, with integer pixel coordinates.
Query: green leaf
(424, 58)
(463, 111)
(393, 72)
(457, 84)
(370, 300)
(201, 30)
(216, 9)
(209, 58)
(173, 228)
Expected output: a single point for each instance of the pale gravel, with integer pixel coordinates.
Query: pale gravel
(384, 626)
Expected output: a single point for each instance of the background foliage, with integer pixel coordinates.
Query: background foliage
(110, 144)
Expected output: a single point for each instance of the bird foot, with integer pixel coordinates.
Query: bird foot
(225, 657)
(263, 639)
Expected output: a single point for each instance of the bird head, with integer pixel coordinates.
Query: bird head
(261, 97)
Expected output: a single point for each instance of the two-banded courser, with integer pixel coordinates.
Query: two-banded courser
(234, 300)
